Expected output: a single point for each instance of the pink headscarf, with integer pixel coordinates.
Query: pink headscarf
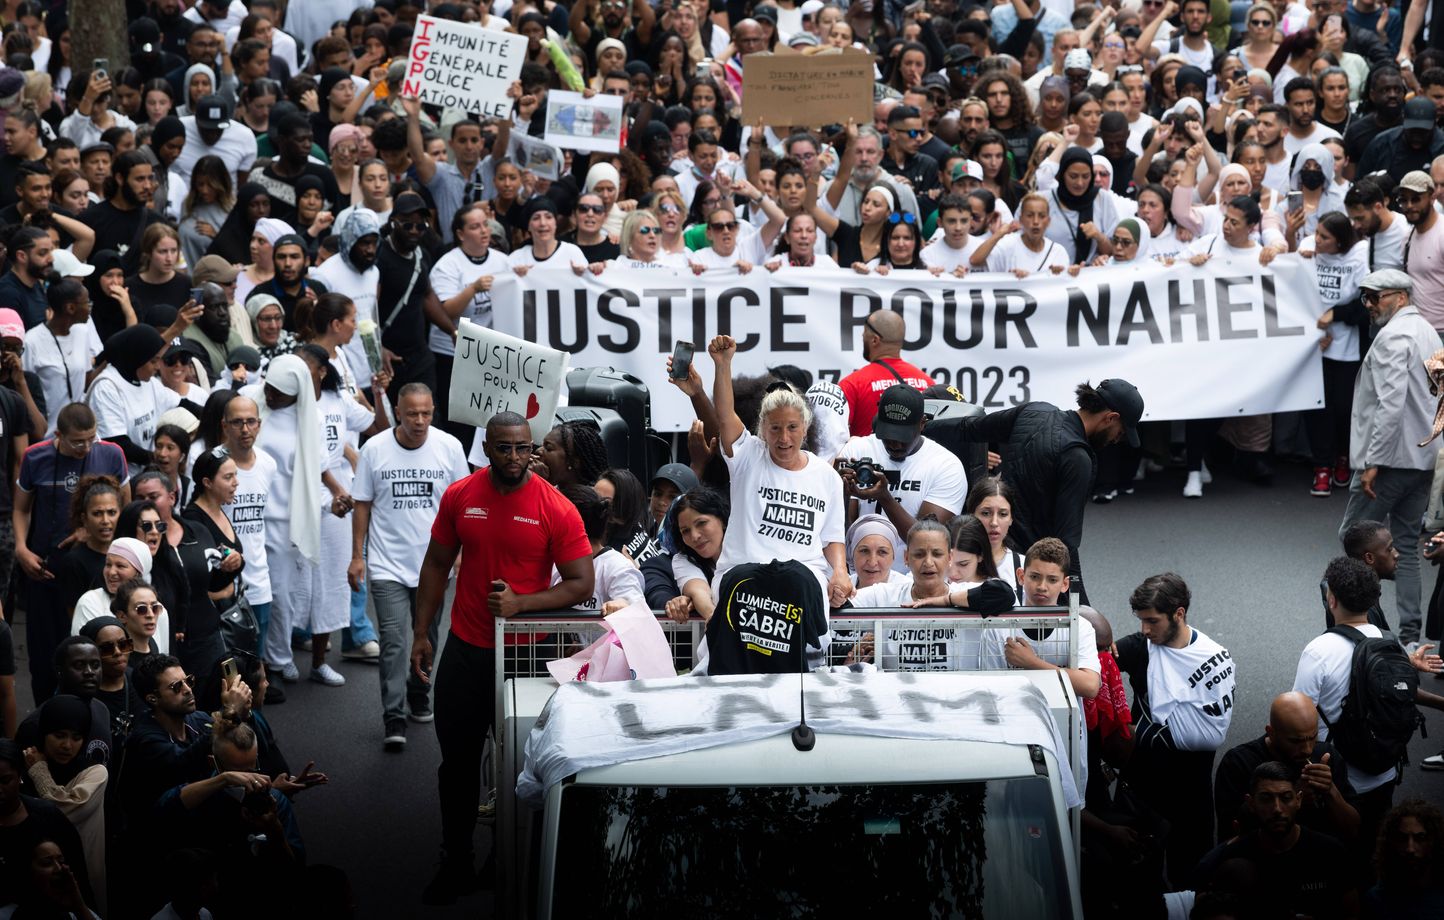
(343, 133)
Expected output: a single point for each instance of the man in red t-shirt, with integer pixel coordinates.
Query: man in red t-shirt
(882, 340)
(510, 527)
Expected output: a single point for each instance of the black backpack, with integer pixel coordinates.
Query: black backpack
(1379, 715)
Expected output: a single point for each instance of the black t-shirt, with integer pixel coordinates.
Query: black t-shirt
(769, 610)
(119, 230)
(405, 334)
(1021, 142)
(125, 706)
(1310, 879)
(1235, 773)
(43, 821)
(199, 556)
(172, 293)
(79, 571)
(283, 189)
(936, 148)
(288, 301)
(604, 251)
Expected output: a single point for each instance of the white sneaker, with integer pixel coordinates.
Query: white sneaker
(370, 651)
(289, 673)
(1151, 466)
(325, 674)
(1207, 476)
(1194, 487)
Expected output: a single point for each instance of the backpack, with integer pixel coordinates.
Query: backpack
(1379, 715)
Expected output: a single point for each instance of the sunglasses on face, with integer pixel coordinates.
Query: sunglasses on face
(724, 226)
(669, 208)
(175, 357)
(116, 647)
(520, 450)
(1260, 22)
(1120, 241)
(144, 609)
(591, 209)
(153, 526)
(648, 231)
(902, 217)
(911, 132)
(188, 681)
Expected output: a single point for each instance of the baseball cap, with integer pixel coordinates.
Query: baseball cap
(212, 114)
(67, 265)
(768, 13)
(899, 411)
(12, 84)
(970, 169)
(935, 79)
(802, 38)
(244, 354)
(213, 268)
(193, 349)
(1388, 279)
(1077, 59)
(1419, 112)
(144, 35)
(1123, 397)
(408, 203)
(678, 474)
(11, 325)
(1418, 181)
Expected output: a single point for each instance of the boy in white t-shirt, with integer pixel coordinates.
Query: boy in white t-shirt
(1044, 577)
(1020, 247)
(951, 252)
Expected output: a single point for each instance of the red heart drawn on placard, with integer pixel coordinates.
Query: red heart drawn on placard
(532, 406)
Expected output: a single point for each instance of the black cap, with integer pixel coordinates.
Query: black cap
(212, 114)
(678, 474)
(1123, 397)
(768, 13)
(144, 35)
(244, 354)
(899, 412)
(1419, 113)
(408, 203)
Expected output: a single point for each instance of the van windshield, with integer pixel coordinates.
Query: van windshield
(980, 849)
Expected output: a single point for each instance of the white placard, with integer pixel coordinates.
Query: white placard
(576, 122)
(457, 65)
(536, 157)
(496, 372)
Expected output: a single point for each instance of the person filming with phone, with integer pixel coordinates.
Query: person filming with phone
(510, 527)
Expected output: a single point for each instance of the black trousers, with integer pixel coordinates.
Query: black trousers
(1328, 428)
(460, 430)
(45, 625)
(465, 707)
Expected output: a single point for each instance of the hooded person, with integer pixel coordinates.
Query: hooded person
(310, 183)
(233, 240)
(607, 176)
(128, 397)
(190, 101)
(162, 151)
(1321, 195)
(290, 435)
(1075, 201)
(68, 777)
(1188, 78)
(353, 273)
(105, 311)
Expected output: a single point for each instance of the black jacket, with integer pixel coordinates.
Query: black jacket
(1047, 462)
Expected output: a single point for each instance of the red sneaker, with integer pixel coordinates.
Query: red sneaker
(1322, 486)
(1341, 472)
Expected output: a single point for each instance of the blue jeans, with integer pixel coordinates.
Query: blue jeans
(263, 619)
(360, 631)
(395, 612)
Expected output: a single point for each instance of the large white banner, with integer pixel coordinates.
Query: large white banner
(1225, 340)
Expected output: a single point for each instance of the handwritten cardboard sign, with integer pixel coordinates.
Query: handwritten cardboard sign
(458, 65)
(807, 89)
(496, 372)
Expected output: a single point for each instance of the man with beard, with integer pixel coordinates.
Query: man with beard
(31, 253)
(352, 271)
(1291, 737)
(1179, 717)
(1273, 124)
(212, 132)
(405, 298)
(883, 333)
(1411, 883)
(1424, 245)
(213, 330)
(1382, 108)
(166, 143)
(292, 136)
(842, 196)
(1302, 99)
(972, 121)
(1299, 872)
(616, 23)
(120, 219)
(512, 528)
(1373, 220)
(290, 285)
(1193, 44)
(1051, 460)
(1411, 146)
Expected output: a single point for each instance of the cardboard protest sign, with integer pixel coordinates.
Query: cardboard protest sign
(496, 372)
(807, 89)
(575, 122)
(534, 156)
(457, 65)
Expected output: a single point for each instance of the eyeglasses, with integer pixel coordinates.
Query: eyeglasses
(188, 681)
(116, 647)
(79, 443)
(591, 209)
(902, 217)
(13, 348)
(1121, 241)
(153, 526)
(726, 226)
(648, 231)
(668, 207)
(1373, 297)
(243, 423)
(520, 450)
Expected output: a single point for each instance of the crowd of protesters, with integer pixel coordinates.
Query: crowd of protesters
(233, 274)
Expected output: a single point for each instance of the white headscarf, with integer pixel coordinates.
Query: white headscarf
(292, 376)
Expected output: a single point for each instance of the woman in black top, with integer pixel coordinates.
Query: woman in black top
(211, 553)
(116, 690)
(93, 512)
(143, 521)
(158, 281)
(233, 241)
(857, 245)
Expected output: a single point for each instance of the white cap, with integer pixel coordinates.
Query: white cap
(67, 265)
(1077, 59)
(811, 7)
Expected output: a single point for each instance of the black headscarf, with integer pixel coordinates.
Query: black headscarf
(104, 310)
(64, 712)
(1082, 204)
(132, 347)
(233, 240)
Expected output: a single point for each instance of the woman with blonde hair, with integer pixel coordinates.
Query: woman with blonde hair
(641, 242)
(672, 216)
(209, 200)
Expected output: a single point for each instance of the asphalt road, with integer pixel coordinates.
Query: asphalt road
(1253, 557)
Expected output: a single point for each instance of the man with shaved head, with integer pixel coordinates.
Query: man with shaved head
(883, 333)
(1290, 737)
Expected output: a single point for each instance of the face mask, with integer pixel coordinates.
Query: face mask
(1311, 179)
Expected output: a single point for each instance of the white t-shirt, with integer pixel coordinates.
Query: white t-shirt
(1319, 134)
(61, 363)
(404, 486)
(1339, 277)
(685, 570)
(449, 275)
(932, 648)
(566, 255)
(665, 261)
(1216, 247)
(1389, 243)
(938, 254)
(932, 473)
(236, 147)
(779, 513)
(1325, 668)
(1011, 253)
(749, 248)
(340, 415)
(247, 514)
(125, 409)
(340, 278)
(617, 579)
(1051, 648)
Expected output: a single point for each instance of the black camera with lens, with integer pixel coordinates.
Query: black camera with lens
(866, 471)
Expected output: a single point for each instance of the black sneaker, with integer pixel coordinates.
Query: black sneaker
(420, 707)
(395, 735)
(453, 879)
(274, 695)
